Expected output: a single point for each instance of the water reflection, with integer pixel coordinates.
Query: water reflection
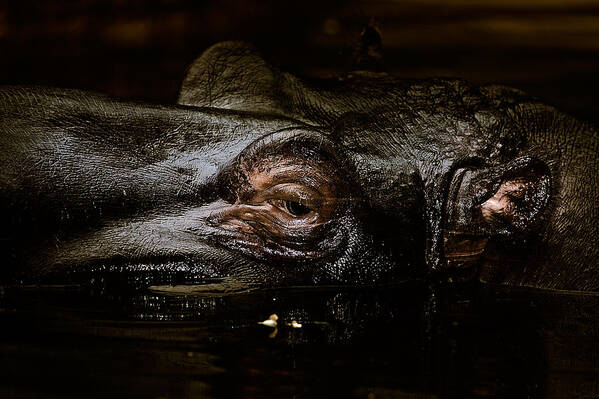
(406, 341)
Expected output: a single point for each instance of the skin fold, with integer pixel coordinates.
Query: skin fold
(264, 179)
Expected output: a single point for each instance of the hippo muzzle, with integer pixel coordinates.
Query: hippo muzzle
(270, 180)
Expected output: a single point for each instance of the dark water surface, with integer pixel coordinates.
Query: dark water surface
(404, 341)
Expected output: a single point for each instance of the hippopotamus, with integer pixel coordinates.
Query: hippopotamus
(271, 180)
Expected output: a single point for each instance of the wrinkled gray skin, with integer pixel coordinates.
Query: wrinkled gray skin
(414, 179)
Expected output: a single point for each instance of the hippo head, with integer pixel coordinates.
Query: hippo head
(270, 180)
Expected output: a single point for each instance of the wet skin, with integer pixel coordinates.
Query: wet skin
(268, 180)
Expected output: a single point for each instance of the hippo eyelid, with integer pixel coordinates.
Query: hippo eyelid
(290, 135)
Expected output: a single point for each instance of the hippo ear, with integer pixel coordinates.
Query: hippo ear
(516, 203)
(231, 75)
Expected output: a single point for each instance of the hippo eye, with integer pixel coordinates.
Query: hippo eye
(296, 209)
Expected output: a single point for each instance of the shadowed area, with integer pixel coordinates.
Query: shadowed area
(137, 50)
(404, 341)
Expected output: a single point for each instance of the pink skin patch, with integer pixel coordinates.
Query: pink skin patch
(500, 206)
(502, 203)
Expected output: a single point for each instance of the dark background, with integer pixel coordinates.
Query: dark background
(140, 50)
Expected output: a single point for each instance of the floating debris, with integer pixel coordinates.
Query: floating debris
(295, 324)
(271, 321)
